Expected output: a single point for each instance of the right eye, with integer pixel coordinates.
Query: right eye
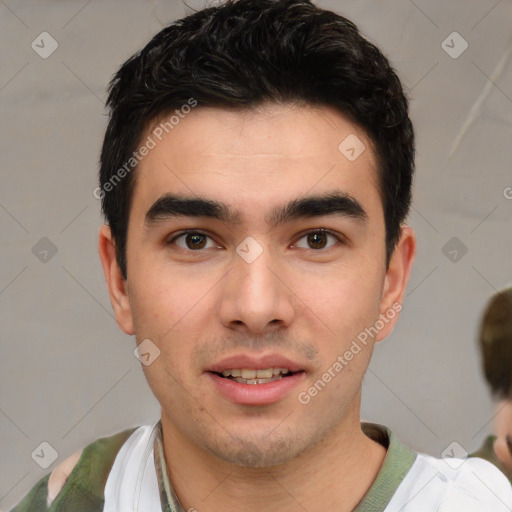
(194, 240)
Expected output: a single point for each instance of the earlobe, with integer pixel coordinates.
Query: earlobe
(117, 286)
(396, 279)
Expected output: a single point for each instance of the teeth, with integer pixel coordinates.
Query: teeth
(257, 381)
(264, 374)
(246, 373)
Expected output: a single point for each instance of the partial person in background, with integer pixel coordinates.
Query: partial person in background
(495, 341)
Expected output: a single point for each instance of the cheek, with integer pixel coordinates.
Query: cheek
(160, 302)
(170, 375)
(152, 311)
(172, 312)
(345, 303)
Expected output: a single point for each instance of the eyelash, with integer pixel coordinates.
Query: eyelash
(324, 231)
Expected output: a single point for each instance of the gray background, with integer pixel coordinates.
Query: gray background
(68, 374)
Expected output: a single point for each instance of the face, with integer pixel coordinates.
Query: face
(250, 286)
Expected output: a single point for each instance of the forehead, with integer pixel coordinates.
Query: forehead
(254, 158)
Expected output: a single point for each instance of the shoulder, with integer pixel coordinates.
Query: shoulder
(60, 474)
(87, 469)
(467, 471)
(83, 474)
(470, 484)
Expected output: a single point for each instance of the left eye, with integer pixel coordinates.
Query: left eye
(196, 241)
(318, 238)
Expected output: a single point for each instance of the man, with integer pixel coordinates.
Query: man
(255, 175)
(495, 342)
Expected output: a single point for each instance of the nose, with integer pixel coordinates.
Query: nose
(256, 296)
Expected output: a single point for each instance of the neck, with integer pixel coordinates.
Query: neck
(502, 430)
(335, 474)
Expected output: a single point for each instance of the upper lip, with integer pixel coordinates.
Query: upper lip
(249, 362)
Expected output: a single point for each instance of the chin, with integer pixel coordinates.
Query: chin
(268, 450)
(254, 455)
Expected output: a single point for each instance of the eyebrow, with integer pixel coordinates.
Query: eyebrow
(334, 203)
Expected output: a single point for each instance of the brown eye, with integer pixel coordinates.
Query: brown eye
(318, 239)
(194, 240)
(197, 241)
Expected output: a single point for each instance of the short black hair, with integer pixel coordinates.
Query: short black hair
(495, 342)
(239, 55)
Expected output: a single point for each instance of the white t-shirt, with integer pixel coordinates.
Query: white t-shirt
(432, 485)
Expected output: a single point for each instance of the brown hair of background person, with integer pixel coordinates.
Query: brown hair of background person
(495, 343)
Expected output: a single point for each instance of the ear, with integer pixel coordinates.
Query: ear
(395, 281)
(117, 286)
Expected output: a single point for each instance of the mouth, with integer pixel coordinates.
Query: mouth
(247, 380)
(251, 377)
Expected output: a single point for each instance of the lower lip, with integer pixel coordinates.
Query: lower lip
(255, 394)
